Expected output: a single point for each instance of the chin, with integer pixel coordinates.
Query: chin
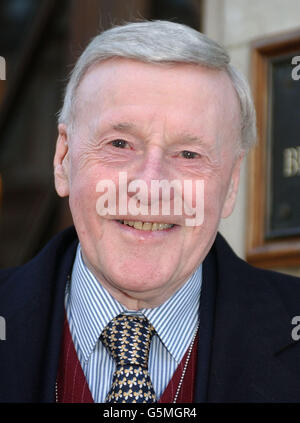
(140, 278)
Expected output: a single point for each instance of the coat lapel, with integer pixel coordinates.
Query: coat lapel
(206, 326)
(253, 357)
(33, 306)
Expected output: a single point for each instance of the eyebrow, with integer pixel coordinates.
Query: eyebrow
(190, 139)
(124, 126)
(185, 137)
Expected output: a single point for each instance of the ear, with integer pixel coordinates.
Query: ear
(61, 162)
(233, 188)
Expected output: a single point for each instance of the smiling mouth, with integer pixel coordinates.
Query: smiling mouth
(146, 226)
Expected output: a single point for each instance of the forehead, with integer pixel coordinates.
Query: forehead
(121, 71)
(124, 90)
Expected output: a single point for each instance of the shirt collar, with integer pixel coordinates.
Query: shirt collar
(176, 320)
(92, 307)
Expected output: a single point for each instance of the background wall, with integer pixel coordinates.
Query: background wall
(235, 24)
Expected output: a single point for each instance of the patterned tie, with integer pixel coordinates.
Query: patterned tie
(128, 341)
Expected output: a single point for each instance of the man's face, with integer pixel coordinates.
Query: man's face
(173, 122)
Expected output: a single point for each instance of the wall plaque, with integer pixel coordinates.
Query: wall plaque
(273, 238)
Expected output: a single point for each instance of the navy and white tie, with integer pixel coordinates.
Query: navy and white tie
(127, 338)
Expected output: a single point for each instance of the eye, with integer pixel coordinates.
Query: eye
(189, 154)
(120, 143)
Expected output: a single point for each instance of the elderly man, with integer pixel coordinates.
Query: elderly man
(140, 303)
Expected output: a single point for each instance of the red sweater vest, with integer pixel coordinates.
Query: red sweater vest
(72, 386)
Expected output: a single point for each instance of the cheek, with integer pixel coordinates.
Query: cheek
(213, 200)
(84, 179)
(83, 189)
(83, 206)
(83, 195)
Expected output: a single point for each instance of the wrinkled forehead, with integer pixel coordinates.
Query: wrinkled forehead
(186, 87)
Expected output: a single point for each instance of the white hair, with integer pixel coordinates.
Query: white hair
(161, 42)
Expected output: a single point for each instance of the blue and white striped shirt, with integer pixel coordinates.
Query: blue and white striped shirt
(90, 307)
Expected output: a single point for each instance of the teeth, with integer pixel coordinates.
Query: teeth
(138, 225)
(154, 227)
(147, 226)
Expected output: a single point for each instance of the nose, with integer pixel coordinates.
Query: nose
(151, 168)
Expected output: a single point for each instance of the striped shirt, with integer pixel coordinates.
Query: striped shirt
(90, 307)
